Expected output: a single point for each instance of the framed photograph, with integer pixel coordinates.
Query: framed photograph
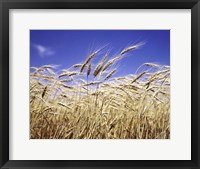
(99, 84)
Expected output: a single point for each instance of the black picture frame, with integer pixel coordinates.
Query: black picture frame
(5, 5)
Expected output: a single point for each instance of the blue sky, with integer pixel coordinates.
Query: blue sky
(68, 47)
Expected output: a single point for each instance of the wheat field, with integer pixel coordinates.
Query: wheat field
(87, 100)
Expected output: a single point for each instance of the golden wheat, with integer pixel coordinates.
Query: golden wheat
(77, 105)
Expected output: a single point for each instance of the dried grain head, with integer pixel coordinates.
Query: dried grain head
(130, 48)
(110, 74)
(100, 65)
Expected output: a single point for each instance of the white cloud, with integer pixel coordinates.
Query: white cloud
(43, 51)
